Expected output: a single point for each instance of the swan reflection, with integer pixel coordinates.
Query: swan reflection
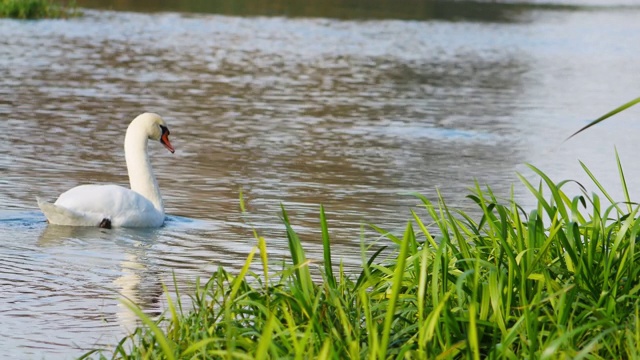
(118, 254)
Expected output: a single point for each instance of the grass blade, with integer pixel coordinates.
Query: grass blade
(606, 116)
(395, 290)
(326, 246)
(165, 345)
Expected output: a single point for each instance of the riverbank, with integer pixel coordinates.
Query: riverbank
(558, 281)
(37, 9)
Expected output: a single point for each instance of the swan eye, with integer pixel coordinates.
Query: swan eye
(164, 130)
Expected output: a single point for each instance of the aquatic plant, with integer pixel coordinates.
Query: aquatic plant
(606, 116)
(37, 9)
(559, 281)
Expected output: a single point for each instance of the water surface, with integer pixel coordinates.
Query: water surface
(313, 108)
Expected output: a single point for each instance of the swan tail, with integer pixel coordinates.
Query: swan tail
(59, 215)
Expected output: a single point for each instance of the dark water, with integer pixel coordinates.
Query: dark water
(342, 107)
(343, 9)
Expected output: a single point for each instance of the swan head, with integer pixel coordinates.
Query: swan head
(155, 128)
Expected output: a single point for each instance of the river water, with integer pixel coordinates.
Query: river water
(301, 106)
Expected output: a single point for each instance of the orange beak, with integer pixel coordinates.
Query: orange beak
(164, 139)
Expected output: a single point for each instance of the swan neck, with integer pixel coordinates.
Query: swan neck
(141, 176)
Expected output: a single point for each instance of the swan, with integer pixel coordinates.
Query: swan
(109, 205)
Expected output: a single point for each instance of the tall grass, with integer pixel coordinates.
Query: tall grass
(559, 281)
(37, 9)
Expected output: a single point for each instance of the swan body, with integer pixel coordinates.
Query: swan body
(113, 205)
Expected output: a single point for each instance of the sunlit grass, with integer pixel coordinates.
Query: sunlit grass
(559, 281)
(36, 9)
(607, 116)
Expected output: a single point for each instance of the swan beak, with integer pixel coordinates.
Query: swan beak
(164, 139)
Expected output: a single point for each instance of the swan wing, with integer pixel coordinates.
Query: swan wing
(88, 205)
(59, 215)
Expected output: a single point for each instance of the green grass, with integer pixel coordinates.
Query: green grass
(36, 9)
(560, 281)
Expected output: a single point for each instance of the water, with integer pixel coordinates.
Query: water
(344, 109)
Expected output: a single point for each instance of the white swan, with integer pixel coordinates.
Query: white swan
(115, 206)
